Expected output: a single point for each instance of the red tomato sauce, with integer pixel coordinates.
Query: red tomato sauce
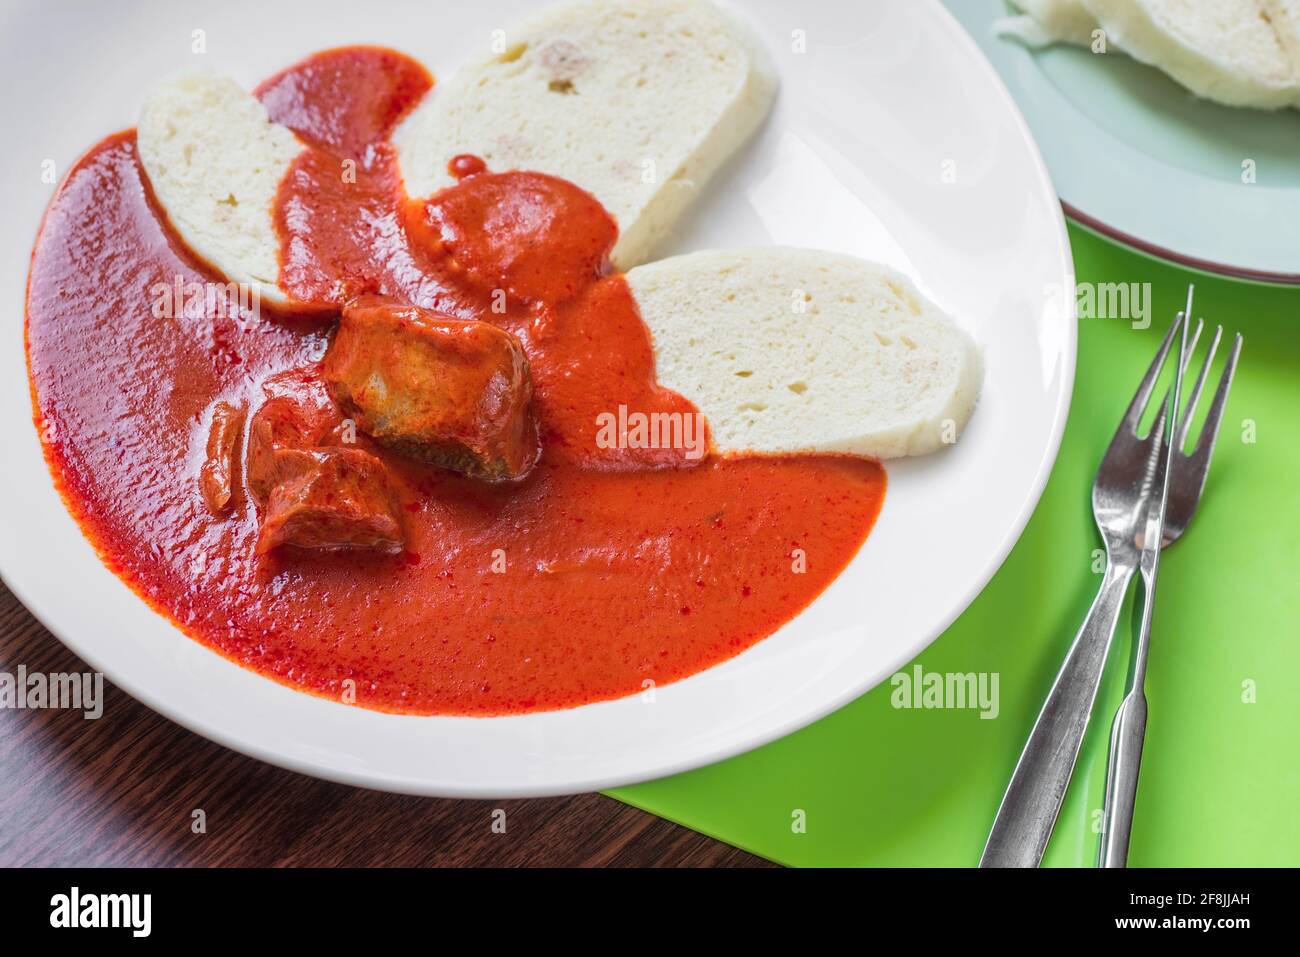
(602, 570)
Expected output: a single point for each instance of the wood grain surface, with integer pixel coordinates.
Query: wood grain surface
(122, 791)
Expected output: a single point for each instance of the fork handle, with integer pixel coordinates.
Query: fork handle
(1126, 739)
(1033, 798)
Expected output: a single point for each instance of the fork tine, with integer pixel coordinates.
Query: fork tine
(1185, 424)
(1143, 394)
(1193, 338)
(1205, 443)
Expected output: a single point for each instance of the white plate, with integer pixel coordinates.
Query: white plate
(890, 102)
(1138, 158)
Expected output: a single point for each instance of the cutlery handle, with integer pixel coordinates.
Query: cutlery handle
(1126, 739)
(1033, 799)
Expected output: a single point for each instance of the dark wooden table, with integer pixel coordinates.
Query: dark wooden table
(122, 790)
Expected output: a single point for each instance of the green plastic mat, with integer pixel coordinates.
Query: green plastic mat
(875, 785)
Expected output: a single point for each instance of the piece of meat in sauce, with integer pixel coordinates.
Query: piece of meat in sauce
(451, 392)
(330, 498)
(316, 481)
(279, 424)
(218, 472)
(297, 414)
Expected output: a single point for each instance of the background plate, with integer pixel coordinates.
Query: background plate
(1136, 156)
(892, 139)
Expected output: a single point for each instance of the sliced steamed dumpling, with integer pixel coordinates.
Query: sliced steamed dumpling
(636, 101)
(794, 350)
(1224, 50)
(215, 161)
(1284, 15)
(1042, 22)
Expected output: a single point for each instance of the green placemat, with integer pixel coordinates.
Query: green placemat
(875, 785)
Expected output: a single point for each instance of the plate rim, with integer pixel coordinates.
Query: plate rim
(1164, 254)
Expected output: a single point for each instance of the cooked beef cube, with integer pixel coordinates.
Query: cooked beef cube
(304, 386)
(279, 424)
(298, 413)
(217, 474)
(316, 490)
(287, 420)
(451, 392)
(330, 499)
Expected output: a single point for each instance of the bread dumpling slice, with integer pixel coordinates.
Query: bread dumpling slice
(636, 101)
(796, 350)
(1043, 22)
(1229, 51)
(1284, 16)
(215, 161)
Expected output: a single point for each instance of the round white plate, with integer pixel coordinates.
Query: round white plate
(1138, 158)
(892, 139)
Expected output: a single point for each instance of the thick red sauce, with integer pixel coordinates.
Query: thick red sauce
(620, 567)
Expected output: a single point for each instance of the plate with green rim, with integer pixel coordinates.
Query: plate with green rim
(1136, 157)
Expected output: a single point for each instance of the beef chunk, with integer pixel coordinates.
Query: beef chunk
(331, 498)
(217, 474)
(297, 414)
(280, 424)
(451, 392)
(314, 488)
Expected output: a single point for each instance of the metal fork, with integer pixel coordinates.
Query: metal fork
(1121, 493)
(1187, 474)
(1187, 480)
